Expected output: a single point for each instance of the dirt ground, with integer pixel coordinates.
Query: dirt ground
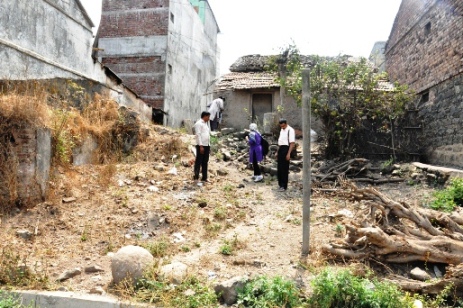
(95, 210)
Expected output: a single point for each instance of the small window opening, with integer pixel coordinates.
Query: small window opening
(424, 97)
(169, 67)
(172, 17)
(427, 28)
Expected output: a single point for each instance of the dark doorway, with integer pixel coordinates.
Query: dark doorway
(261, 104)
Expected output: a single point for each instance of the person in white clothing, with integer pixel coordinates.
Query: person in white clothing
(215, 108)
(286, 143)
(203, 139)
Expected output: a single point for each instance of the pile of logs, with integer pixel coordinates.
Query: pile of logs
(398, 232)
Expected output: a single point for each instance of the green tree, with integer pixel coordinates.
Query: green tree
(344, 93)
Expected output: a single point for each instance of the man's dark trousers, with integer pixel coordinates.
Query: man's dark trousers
(201, 162)
(283, 166)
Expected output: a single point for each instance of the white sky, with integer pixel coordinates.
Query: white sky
(324, 27)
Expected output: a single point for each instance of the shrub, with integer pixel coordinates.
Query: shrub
(343, 289)
(447, 199)
(269, 292)
(10, 301)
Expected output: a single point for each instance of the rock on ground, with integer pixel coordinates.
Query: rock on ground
(130, 262)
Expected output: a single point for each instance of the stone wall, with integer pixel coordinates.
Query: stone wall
(442, 118)
(425, 45)
(425, 51)
(29, 159)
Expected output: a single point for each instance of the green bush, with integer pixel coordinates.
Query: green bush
(264, 292)
(10, 301)
(447, 199)
(343, 289)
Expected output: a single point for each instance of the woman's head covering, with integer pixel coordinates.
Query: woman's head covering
(253, 127)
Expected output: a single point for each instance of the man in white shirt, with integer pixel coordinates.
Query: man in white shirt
(285, 146)
(215, 108)
(203, 148)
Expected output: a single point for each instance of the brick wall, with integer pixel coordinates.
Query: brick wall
(425, 45)
(425, 51)
(136, 20)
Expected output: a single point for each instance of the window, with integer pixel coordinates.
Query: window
(169, 68)
(424, 97)
(427, 28)
(172, 17)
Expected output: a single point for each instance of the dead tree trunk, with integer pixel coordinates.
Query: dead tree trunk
(398, 232)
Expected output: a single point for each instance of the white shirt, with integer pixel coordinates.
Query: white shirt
(214, 108)
(202, 132)
(287, 136)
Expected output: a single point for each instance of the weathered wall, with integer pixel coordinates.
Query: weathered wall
(43, 39)
(425, 51)
(192, 64)
(442, 118)
(52, 39)
(133, 39)
(29, 165)
(425, 45)
(238, 101)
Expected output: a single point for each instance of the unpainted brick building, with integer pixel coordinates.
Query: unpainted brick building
(425, 51)
(164, 50)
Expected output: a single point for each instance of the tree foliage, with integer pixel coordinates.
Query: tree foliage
(344, 93)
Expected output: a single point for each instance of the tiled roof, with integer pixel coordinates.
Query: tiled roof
(243, 81)
(265, 80)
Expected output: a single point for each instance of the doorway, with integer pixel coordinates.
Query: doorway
(261, 104)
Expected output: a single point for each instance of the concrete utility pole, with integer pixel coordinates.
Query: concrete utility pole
(307, 173)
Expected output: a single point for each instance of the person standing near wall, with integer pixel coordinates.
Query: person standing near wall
(286, 143)
(255, 151)
(215, 108)
(203, 147)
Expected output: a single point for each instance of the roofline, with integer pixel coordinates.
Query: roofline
(86, 16)
(213, 15)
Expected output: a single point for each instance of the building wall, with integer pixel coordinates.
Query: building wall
(43, 39)
(192, 62)
(238, 105)
(425, 51)
(425, 45)
(26, 180)
(133, 42)
(442, 120)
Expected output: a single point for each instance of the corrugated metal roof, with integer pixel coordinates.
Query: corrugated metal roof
(243, 81)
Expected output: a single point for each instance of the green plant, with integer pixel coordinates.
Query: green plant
(158, 248)
(85, 235)
(228, 187)
(11, 301)
(269, 292)
(220, 212)
(339, 230)
(226, 248)
(185, 249)
(229, 246)
(14, 271)
(344, 93)
(388, 163)
(343, 289)
(450, 197)
(109, 247)
(191, 293)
